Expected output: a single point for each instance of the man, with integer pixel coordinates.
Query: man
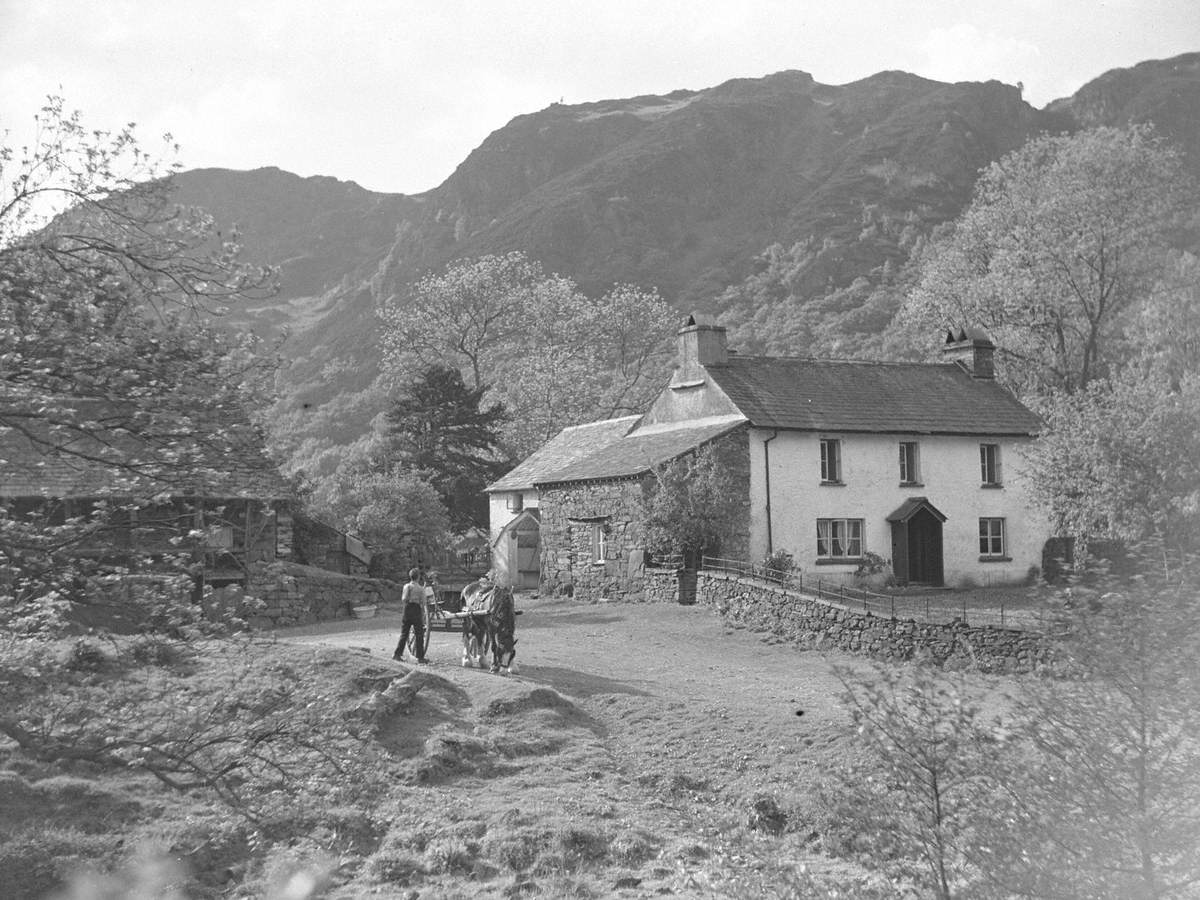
(413, 597)
(477, 588)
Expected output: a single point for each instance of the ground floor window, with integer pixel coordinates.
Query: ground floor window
(991, 537)
(839, 538)
(599, 535)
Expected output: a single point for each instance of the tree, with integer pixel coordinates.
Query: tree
(1102, 769)
(690, 506)
(1065, 241)
(438, 429)
(104, 358)
(553, 356)
(1118, 458)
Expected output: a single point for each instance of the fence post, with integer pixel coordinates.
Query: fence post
(1002, 612)
(893, 607)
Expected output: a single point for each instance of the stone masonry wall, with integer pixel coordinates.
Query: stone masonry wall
(809, 621)
(299, 595)
(568, 514)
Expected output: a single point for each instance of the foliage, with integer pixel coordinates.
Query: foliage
(1065, 241)
(387, 510)
(690, 506)
(914, 801)
(551, 355)
(778, 566)
(1089, 786)
(257, 729)
(1103, 766)
(107, 368)
(437, 429)
(1118, 459)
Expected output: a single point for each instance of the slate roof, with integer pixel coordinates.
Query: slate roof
(566, 448)
(642, 450)
(904, 398)
(31, 468)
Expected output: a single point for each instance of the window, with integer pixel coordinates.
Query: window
(991, 537)
(831, 461)
(599, 534)
(909, 473)
(516, 501)
(989, 464)
(839, 539)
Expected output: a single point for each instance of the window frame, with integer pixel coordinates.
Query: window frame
(989, 465)
(831, 461)
(515, 501)
(989, 536)
(910, 470)
(847, 537)
(599, 542)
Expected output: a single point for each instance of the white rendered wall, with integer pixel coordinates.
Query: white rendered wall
(950, 479)
(504, 559)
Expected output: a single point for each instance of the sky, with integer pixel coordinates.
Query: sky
(394, 94)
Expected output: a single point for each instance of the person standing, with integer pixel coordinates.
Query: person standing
(413, 597)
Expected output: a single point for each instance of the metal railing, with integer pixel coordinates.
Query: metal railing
(932, 607)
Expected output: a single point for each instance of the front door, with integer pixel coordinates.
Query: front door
(925, 548)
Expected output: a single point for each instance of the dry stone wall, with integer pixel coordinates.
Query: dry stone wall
(817, 623)
(292, 594)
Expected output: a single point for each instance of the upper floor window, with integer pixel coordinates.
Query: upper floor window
(909, 471)
(831, 461)
(516, 501)
(839, 538)
(991, 537)
(989, 464)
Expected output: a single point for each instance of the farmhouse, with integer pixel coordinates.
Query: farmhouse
(839, 463)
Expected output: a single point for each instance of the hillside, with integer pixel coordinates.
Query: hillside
(690, 192)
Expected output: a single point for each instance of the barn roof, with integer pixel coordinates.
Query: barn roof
(40, 461)
(566, 448)
(641, 450)
(840, 395)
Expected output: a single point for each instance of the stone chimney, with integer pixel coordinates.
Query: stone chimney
(972, 349)
(699, 345)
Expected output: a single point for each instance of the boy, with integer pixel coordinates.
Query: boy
(413, 597)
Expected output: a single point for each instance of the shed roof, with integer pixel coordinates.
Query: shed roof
(567, 447)
(643, 449)
(839, 395)
(41, 461)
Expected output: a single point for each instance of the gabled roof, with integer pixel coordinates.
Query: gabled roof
(567, 447)
(31, 465)
(912, 506)
(903, 398)
(641, 450)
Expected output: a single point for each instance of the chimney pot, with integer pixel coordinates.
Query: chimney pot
(972, 349)
(699, 345)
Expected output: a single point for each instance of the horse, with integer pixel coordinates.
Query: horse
(489, 626)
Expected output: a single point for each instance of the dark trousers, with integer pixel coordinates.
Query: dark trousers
(405, 631)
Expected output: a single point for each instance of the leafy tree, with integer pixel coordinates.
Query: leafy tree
(1118, 459)
(437, 428)
(915, 797)
(553, 356)
(690, 506)
(391, 511)
(105, 361)
(1102, 772)
(1062, 245)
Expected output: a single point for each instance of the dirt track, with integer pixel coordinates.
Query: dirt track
(687, 721)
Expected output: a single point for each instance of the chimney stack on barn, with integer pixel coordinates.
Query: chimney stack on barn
(972, 349)
(699, 344)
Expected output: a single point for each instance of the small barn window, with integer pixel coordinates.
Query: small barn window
(599, 541)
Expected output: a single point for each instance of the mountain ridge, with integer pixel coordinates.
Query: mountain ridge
(688, 192)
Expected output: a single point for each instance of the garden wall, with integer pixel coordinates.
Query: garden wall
(293, 594)
(817, 623)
